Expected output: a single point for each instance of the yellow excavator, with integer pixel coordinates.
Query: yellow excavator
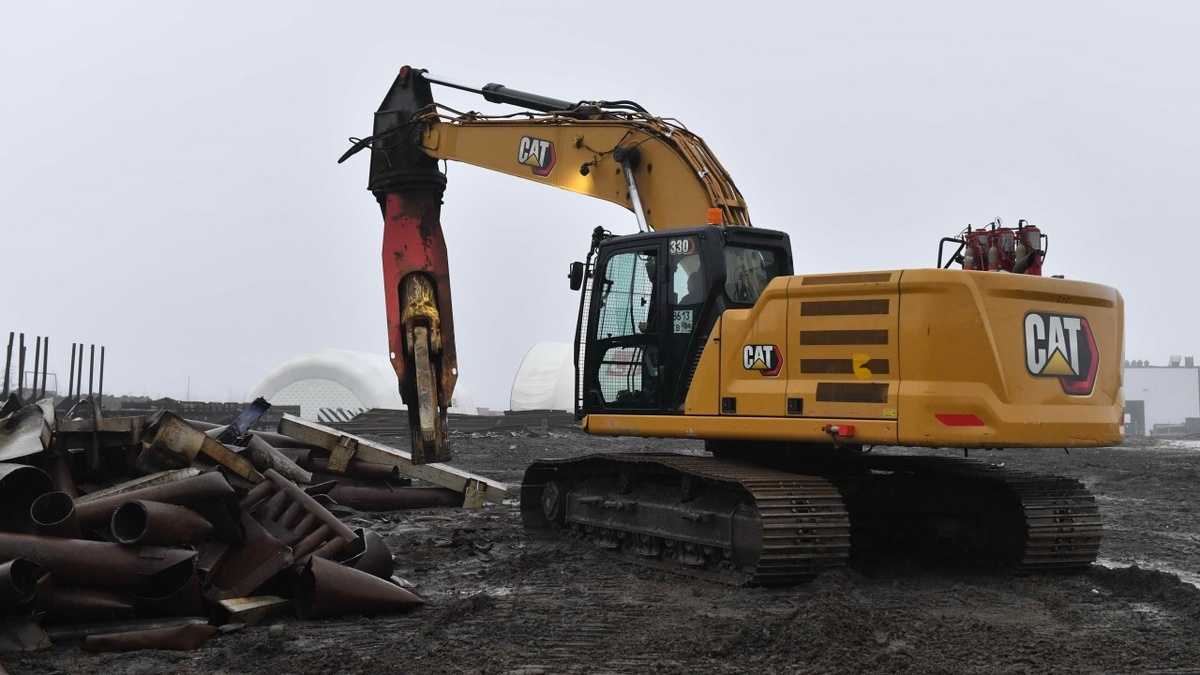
(698, 327)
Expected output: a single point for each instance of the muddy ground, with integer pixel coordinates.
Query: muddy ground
(499, 603)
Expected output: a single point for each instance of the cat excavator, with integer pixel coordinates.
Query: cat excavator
(698, 327)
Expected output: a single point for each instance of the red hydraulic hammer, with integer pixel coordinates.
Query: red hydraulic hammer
(408, 186)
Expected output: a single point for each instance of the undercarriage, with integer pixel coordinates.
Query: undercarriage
(785, 517)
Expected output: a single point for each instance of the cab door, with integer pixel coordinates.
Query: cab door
(623, 364)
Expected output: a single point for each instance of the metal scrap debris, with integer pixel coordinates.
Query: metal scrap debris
(148, 532)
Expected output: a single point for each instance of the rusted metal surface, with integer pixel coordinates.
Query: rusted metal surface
(356, 468)
(54, 515)
(386, 498)
(168, 430)
(326, 589)
(297, 519)
(67, 604)
(196, 492)
(186, 599)
(264, 456)
(145, 522)
(20, 486)
(87, 542)
(96, 563)
(437, 474)
(69, 633)
(245, 567)
(85, 426)
(60, 474)
(370, 554)
(23, 433)
(180, 638)
(18, 583)
(159, 478)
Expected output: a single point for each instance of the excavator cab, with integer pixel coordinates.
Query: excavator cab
(650, 302)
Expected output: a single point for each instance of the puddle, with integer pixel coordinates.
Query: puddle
(1187, 577)
(1183, 445)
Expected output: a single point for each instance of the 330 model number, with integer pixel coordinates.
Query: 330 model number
(682, 246)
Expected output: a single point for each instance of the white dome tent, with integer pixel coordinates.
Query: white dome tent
(546, 379)
(340, 380)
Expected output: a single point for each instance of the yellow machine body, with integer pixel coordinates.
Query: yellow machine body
(925, 357)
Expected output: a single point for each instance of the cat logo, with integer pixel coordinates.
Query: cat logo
(766, 359)
(536, 154)
(1062, 346)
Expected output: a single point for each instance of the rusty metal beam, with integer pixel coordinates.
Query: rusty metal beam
(475, 489)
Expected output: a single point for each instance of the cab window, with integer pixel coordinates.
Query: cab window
(747, 272)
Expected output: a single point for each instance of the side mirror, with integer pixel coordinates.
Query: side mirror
(576, 276)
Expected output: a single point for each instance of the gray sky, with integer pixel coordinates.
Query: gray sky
(169, 186)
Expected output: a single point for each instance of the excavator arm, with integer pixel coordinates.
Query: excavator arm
(610, 150)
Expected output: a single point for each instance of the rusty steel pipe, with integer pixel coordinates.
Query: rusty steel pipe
(306, 525)
(37, 367)
(207, 487)
(146, 522)
(275, 506)
(366, 498)
(7, 364)
(18, 583)
(21, 367)
(180, 638)
(311, 542)
(300, 456)
(65, 604)
(293, 491)
(159, 478)
(291, 515)
(20, 486)
(100, 563)
(330, 549)
(358, 469)
(54, 515)
(256, 493)
(60, 474)
(264, 456)
(326, 589)
(72, 633)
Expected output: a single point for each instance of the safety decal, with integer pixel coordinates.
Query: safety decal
(766, 359)
(1062, 346)
(536, 154)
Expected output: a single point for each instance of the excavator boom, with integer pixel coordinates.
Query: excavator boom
(599, 149)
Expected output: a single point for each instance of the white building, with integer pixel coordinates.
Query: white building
(340, 380)
(546, 378)
(1160, 397)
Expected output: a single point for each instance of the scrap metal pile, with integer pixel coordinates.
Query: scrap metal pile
(131, 532)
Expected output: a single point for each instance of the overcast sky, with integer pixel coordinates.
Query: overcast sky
(169, 185)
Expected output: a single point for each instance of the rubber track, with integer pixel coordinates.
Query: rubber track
(805, 526)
